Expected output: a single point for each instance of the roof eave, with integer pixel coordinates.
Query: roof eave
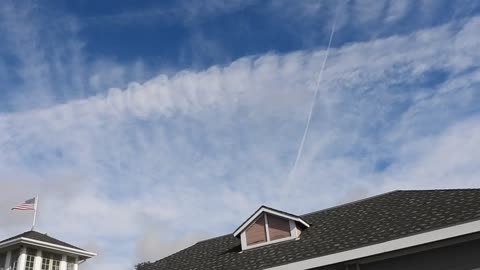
(25, 240)
(384, 247)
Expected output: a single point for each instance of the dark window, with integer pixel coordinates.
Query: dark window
(2, 260)
(278, 227)
(255, 234)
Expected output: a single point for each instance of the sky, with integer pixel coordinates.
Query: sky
(131, 119)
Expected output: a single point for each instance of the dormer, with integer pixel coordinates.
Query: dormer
(267, 226)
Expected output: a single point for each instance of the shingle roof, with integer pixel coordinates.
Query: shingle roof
(370, 221)
(34, 235)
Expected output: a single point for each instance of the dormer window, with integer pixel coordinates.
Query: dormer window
(278, 227)
(257, 232)
(268, 226)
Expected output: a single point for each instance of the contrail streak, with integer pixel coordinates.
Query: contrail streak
(317, 88)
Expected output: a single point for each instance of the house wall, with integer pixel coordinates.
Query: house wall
(463, 256)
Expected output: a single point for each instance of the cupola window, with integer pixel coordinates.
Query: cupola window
(30, 259)
(51, 261)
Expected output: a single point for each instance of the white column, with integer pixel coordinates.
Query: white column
(7, 260)
(75, 265)
(37, 263)
(267, 230)
(63, 263)
(22, 259)
(294, 232)
(243, 240)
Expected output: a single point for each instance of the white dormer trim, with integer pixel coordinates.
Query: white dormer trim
(263, 210)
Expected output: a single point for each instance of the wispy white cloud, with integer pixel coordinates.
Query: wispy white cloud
(188, 12)
(448, 160)
(51, 66)
(397, 10)
(369, 10)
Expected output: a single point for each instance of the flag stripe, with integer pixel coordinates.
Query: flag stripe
(26, 205)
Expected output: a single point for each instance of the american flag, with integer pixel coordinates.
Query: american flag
(26, 205)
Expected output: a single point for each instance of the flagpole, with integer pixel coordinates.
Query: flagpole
(35, 213)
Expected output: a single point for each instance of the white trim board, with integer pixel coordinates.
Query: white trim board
(393, 245)
(38, 243)
(262, 210)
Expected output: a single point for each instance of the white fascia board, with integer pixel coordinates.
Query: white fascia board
(23, 240)
(262, 210)
(393, 245)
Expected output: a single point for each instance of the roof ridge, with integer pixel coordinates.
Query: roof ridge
(439, 189)
(387, 193)
(352, 202)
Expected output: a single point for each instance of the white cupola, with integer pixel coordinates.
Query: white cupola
(37, 251)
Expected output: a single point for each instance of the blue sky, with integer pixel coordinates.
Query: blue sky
(134, 117)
